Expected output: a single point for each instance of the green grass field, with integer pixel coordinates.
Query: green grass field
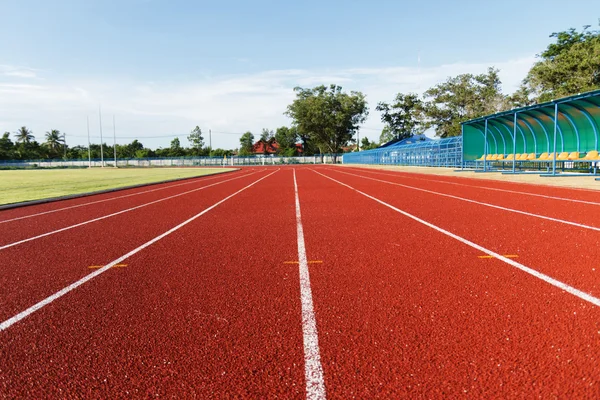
(24, 185)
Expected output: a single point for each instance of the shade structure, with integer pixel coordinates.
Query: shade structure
(569, 124)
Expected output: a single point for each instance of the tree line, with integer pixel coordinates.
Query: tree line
(325, 119)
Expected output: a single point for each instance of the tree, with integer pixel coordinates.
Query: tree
(287, 138)
(328, 116)
(24, 135)
(365, 144)
(462, 98)
(386, 135)
(569, 66)
(246, 143)
(176, 150)
(196, 140)
(54, 142)
(7, 147)
(403, 116)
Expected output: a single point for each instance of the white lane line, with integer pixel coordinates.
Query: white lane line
(554, 282)
(562, 221)
(116, 213)
(193, 180)
(13, 320)
(313, 371)
(594, 203)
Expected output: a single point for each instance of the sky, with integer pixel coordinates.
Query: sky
(163, 67)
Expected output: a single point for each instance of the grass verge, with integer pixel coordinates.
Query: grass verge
(26, 185)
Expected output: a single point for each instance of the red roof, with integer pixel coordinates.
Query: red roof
(272, 147)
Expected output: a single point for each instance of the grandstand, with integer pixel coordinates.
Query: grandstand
(562, 134)
(558, 135)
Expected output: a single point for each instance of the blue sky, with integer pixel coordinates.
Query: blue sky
(162, 67)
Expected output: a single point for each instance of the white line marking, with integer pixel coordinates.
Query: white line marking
(562, 221)
(576, 292)
(11, 321)
(495, 189)
(116, 213)
(192, 180)
(313, 371)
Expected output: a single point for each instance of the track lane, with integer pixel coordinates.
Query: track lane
(210, 311)
(582, 213)
(540, 189)
(563, 252)
(34, 270)
(15, 231)
(404, 311)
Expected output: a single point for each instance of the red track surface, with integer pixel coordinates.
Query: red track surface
(213, 309)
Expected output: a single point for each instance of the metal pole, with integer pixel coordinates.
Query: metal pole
(65, 146)
(115, 140)
(555, 127)
(485, 146)
(357, 141)
(89, 144)
(101, 140)
(515, 143)
(209, 140)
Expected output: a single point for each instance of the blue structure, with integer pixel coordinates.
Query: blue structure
(418, 150)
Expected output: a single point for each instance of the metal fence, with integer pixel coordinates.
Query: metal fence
(173, 162)
(426, 153)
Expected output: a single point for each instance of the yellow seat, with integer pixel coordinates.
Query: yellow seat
(543, 157)
(592, 155)
(489, 157)
(509, 157)
(480, 158)
(530, 156)
(574, 155)
(522, 156)
(563, 156)
(500, 157)
(494, 157)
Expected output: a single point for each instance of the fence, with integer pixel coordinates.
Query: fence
(173, 162)
(426, 153)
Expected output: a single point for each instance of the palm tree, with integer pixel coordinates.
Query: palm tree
(24, 135)
(54, 141)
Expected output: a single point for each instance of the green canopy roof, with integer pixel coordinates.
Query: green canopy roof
(577, 129)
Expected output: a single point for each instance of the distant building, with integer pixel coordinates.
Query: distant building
(271, 147)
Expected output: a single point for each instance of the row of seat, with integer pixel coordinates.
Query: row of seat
(546, 157)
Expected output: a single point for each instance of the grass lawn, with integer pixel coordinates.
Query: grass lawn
(24, 185)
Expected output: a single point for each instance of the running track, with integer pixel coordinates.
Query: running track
(306, 282)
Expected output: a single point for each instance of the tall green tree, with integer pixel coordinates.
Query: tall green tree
(462, 98)
(176, 150)
(246, 143)
(403, 116)
(569, 66)
(366, 144)
(24, 135)
(7, 147)
(328, 115)
(287, 138)
(196, 140)
(386, 135)
(55, 143)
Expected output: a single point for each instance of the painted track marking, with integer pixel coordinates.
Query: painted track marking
(23, 314)
(313, 371)
(117, 213)
(192, 180)
(490, 188)
(561, 221)
(548, 279)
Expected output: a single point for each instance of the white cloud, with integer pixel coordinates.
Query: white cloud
(224, 104)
